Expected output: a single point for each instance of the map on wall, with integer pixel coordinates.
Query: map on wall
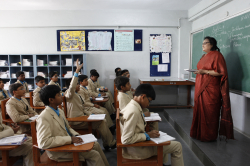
(124, 40)
(99, 40)
(72, 40)
(160, 43)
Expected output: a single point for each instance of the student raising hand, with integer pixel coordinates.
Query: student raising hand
(78, 66)
(76, 140)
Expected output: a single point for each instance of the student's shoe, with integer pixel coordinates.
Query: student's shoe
(166, 165)
(112, 129)
(108, 147)
(113, 116)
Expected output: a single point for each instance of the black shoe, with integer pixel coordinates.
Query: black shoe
(113, 116)
(108, 147)
(166, 165)
(112, 129)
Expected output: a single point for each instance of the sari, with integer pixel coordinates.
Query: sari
(212, 107)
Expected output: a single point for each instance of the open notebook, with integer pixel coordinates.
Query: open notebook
(164, 137)
(97, 117)
(13, 140)
(153, 117)
(87, 138)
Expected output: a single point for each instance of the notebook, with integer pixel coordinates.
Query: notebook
(33, 117)
(13, 140)
(97, 117)
(191, 70)
(153, 117)
(87, 138)
(99, 98)
(164, 137)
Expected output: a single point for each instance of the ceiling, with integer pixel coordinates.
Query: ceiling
(97, 4)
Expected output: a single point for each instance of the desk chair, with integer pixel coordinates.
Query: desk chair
(44, 160)
(152, 161)
(32, 105)
(115, 96)
(6, 159)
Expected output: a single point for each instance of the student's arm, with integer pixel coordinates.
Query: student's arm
(45, 139)
(30, 109)
(123, 101)
(86, 101)
(72, 88)
(128, 135)
(14, 114)
(27, 88)
(8, 131)
(36, 99)
(91, 89)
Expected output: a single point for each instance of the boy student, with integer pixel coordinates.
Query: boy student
(24, 150)
(75, 108)
(53, 79)
(90, 107)
(117, 69)
(133, 129)
(93, 88)
(18, 107)
(3, 93)
(21, 79)
(125, 73)
(37, 102)
(53, 130)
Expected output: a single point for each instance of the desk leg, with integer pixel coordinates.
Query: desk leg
(76, 159)
(188, 94)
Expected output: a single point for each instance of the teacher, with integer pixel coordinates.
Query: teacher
(211, 96)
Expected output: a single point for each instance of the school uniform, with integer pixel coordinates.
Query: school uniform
(133, 130)
(3, 95)
(55, 83)
(25, 85)
(125, 98)
(75, 108)
(18, 111)
(92, 88)
(24, 150)
(99, 87)
(84, 93)
(37, 102)
(53, 130)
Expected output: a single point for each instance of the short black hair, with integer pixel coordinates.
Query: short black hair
(81, 78)
(14, 87)
(94, 73)
(39, 78)
(146, 89)
(19, 73)
(92, 70)
(119, 73)
(1, 79)
(121, 81)
(116, 69)
(47, 92)
(67, 82)
(124, 71)
(52, 73)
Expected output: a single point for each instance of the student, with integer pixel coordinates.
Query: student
(53, 130)
(133, 129)
(119, 73)
(21, 79)
(90, 107)
(75, 108)
(37, 102)
(102, 88)
(117, 69)
(18, 107)
(24, 150)
(93, 88)
(125, 73)
(3, 93)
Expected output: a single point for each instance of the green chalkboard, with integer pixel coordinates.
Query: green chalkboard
(233, 38)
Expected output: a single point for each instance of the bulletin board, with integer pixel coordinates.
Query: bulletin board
(92, 40)
(160, 54)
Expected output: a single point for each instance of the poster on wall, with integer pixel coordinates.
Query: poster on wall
(160, 43)
(124, 40)
(72, 40)
(99, 40)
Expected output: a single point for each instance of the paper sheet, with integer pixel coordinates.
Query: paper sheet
(162, 68)
(97, 117)
(124, 40)
(165, 57)
(99, 40)
(160, 43)
(153, 118)
(13, 140)
(99, 98)
(163, 138)
(33, 117)
(87, 138)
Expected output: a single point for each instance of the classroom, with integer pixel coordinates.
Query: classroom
(81, 69)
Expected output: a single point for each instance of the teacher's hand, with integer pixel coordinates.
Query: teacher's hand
(201, 71)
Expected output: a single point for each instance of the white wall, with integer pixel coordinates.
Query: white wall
(34, 32)
(240, 105)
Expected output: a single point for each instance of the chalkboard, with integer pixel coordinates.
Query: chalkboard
(233, 37)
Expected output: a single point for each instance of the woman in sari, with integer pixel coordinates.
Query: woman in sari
(211, 101)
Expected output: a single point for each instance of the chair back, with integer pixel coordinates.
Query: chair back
(31, 99)
(33, 132)
(64, 105)
(5, 116)
(118, 130)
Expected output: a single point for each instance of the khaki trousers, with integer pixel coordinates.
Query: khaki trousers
(111, 98)
(102, 110)
(24, 150)
(109, 106)
(93, 158)
(102, 128)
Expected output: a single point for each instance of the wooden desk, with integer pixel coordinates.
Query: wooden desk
(100, 102)
(172, 82)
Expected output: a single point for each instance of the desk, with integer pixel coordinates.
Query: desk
(100, 102)
(172, 82)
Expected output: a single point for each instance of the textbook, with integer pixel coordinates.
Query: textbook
(164, 137)
(191, 70)
(87, 138)
(13, 140)
(153, 117)
(97, 117)
(33, 117)
(99, 98)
